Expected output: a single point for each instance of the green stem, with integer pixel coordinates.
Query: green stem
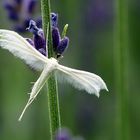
(121, 49)
(53, 101)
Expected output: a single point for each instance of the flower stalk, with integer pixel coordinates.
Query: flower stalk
(53, 100)
(121, 56)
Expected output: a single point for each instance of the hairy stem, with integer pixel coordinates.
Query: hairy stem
(121, 51)
(53, 101)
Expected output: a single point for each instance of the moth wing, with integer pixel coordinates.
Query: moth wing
(19, 47)
(82, 80)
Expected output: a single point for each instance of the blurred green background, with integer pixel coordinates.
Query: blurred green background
(91, 33)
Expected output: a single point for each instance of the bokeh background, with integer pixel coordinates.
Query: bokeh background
(91, 33)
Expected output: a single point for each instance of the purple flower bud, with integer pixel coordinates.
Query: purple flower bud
(42, 51)
(55, 37)
(39, 39)
(18, 1)
(30, 41)
(54, 19)
(12, 13)
(63, 45)
(30, 5)
(26, 22)
(33, 28)
(63, 134)
(39, 22)
(8, 6)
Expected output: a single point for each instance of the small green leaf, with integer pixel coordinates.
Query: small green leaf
(65, 30)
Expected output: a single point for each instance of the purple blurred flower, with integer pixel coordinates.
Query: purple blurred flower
(65, 134)
(85, 116)
(99, 12)
(30, 5)
(12, 10)
(20, 11)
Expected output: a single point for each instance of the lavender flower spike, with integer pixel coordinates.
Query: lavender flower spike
(54, 19)
(39, 39)
(59, 45)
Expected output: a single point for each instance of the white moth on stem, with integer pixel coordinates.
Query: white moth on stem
(81, 80)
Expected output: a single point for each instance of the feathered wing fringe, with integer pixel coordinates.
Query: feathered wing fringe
(82, 80)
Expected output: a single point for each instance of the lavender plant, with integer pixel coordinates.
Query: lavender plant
(99, 12)
(39, 42)
(42, 53)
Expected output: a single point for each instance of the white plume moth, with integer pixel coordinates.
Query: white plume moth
(81, 80)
